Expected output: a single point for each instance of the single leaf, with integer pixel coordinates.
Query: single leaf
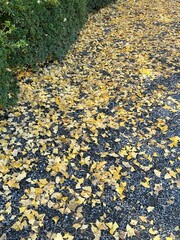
(157, 173)
(153, 232)
(174, 141)
(113, 228)
(157, 237)
(58, 237)
(21, 176)
(130, 231)
(150, 209)
(143, 218)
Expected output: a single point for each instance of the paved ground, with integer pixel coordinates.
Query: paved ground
(92, 149)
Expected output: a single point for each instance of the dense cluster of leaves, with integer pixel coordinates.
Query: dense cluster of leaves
(95, 155)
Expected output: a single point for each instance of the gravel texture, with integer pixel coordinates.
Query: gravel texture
(91, 151)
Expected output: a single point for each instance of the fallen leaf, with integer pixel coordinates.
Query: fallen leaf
(120, 189)
(130, 231)
(133, 222)
(174, 141)
(157, 237)
(68, 236)
(146, 183)
(3, 237)
(143, 218)
(157, 173)
(153, 232)
(158, 188)
(113, 228)
(150, 209)
(21, 176)
(58, 237)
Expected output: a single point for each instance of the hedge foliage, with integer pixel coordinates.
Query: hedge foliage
(98, 4)
(34, 31)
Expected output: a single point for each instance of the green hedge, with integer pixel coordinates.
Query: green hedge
(8, 84)
(95, 5)
(34, 31)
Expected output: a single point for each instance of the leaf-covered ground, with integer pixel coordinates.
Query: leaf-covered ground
(92, 149)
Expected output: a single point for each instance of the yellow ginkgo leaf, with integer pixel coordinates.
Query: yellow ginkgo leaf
(3, 168)
(146, 183)
(13, 184)
(21, 176)
(130, 231)
(174, 141)
(133, 222)
(150, 209)
(94, 229)
(157, 173)
(1, 217)
(55, 219)
(113, 228)
(101, 225)
(131, 155)
(153, 232)
(143, 218)
(167, 176)
(4, 236)
(68, 236)
(120, 189)
(146, 71)
(58, 237)
(22, 209)
(17, 226)
(123, 153)
(157, 237)
(172, 173)
(76, 225)
(86, 193)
